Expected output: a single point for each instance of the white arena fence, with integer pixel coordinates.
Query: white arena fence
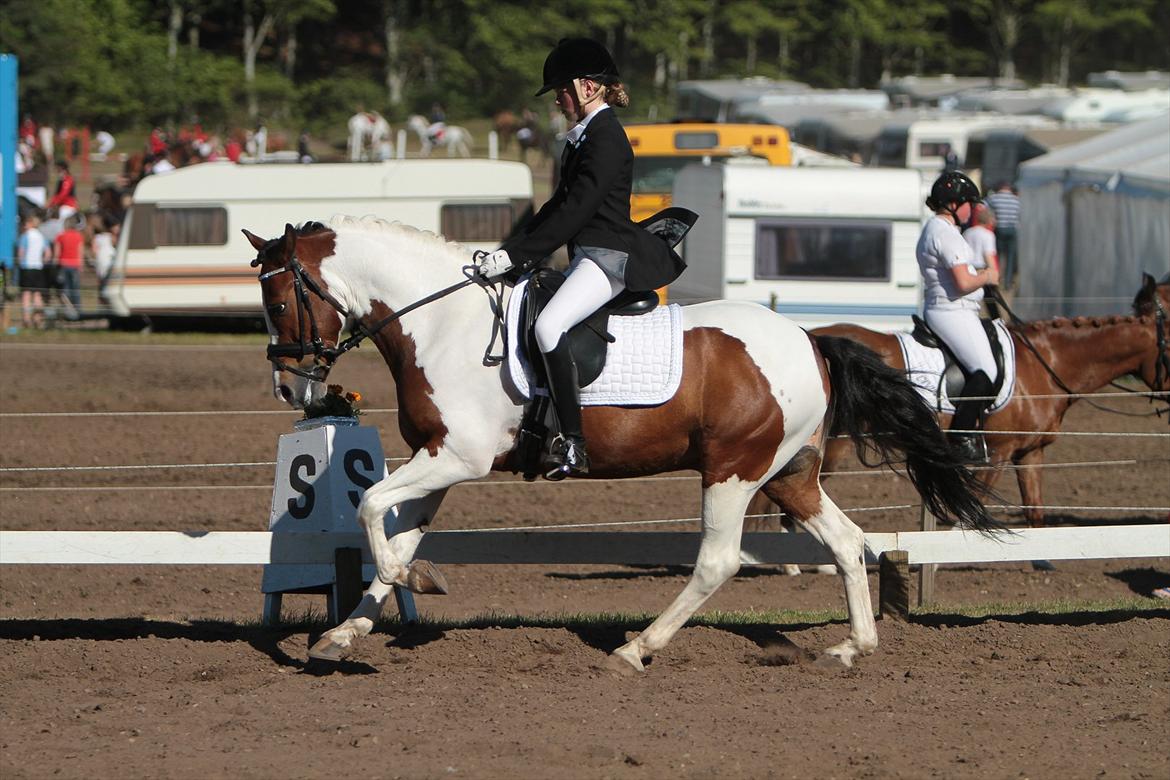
(562, 543)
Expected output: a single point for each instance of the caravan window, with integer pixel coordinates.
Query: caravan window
(153, 226)
(821, 249)
(475, 221)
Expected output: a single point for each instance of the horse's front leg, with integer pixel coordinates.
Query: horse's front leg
(405, 535)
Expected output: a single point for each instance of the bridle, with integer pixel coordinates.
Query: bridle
(324, 356)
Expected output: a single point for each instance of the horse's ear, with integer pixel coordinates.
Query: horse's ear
(1143, 302)
(290, 240)
(255, 240)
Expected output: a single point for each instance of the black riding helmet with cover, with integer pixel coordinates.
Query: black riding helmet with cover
(578, 58)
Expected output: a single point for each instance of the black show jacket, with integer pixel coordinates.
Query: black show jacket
(591, 208)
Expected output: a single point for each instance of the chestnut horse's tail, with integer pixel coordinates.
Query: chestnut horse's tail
(879, 409)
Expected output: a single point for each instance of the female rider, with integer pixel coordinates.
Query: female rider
(953, 292)
(590, 212)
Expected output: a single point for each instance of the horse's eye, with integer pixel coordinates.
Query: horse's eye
(276, 309)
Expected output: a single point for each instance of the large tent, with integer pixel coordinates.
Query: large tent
(1094, 216)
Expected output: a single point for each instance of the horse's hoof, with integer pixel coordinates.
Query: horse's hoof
(425, 577)
(626, 660)
(791, 569)
(325, 649)
(832, 662)
(1043, 566)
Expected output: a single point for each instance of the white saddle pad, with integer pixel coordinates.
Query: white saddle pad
(926, 365)
(642, 368)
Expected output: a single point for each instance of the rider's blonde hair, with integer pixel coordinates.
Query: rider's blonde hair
(616, 95)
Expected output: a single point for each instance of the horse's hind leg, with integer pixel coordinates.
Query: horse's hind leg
(404, 540)
(723, 509)
(802, 497)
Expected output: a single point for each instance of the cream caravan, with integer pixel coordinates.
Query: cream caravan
(181, 252)
(820, 245)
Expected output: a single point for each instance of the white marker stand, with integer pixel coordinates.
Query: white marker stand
(322, 469)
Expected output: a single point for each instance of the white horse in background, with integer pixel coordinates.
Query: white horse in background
(456, 139)
(369, 137)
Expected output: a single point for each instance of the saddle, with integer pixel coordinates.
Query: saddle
(954, 375)
(589, 340)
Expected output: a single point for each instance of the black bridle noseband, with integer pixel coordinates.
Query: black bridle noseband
(324, 356)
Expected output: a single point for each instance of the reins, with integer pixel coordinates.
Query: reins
(1162, 363)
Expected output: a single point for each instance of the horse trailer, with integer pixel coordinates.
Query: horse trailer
(181, 252)
(819, 245)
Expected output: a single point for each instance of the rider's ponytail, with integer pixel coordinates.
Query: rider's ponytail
(615, 94)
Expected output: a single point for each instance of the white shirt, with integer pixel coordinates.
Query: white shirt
(577, 134)
(941, 248)
(982, 241)
(33, 243)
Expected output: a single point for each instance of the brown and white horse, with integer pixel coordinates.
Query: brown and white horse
(750, 413)
(1057, 361)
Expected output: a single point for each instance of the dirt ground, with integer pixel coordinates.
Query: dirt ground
(162, 672)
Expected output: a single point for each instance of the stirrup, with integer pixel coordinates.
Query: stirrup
(971, 447)
(568, 456)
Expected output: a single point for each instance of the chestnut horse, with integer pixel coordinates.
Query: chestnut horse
(749, 414)
(1071, 357)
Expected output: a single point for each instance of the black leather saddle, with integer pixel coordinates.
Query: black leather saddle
(954, 375)
(589, 340)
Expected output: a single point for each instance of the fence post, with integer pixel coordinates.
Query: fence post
(347, 583)
(926, 571)
(493, 145)
(894, 584)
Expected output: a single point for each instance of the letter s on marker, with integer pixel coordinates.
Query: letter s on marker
(309, 464)
(352, 459)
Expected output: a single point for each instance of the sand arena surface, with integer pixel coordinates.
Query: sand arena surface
(151, 671)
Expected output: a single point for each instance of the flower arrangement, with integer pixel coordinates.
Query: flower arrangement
(335, 403)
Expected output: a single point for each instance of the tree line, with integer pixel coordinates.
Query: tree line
(312, 63)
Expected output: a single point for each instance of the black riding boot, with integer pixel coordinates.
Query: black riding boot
(568, 450)
(969, 411)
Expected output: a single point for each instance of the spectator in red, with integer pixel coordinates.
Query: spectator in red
(67, 254)
(65, 200)
(233, 149)
(156, 142)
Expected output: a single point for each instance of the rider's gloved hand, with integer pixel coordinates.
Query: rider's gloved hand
(495, 264)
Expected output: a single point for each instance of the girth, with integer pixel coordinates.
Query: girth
(955, 375)
(588, 340)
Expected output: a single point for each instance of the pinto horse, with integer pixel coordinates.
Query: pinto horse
(750, 413)
(1057, 361)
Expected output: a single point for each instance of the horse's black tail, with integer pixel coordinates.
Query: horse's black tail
(879, 409)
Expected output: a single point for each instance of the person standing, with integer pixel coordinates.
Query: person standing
(952, 297)
(1005, 202)
(65, 199)
(31, 255)
(590, 212)
(103, 246)
(67, 255)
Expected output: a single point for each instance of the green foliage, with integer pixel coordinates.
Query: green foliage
(120, 63)
(328, 103)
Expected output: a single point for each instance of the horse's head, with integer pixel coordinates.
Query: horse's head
(1153, 300)
(304, 319)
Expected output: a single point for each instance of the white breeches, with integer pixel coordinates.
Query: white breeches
(964, 334)
(586, 289)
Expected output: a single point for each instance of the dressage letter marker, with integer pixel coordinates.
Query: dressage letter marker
(322, 470)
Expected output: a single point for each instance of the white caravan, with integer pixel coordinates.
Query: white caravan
(820, 245)
(181, 252)
(922, 144)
